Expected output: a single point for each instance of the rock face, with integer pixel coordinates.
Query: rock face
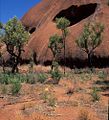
(40, 21)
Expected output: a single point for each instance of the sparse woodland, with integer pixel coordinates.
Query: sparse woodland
(38, 92)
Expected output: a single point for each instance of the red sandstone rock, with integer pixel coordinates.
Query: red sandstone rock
(39, 21)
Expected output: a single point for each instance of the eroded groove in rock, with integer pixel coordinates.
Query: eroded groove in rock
(77, 13)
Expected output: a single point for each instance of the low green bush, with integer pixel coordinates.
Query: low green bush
(16, 86)
(56, 75)
(31, 78)
(95, 94)
(102, 75)
(41, 77)
(4, 89)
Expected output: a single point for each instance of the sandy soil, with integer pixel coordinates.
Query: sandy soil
(29, 104)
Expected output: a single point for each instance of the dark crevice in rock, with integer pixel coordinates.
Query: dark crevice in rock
(77, 13)
(32, 30)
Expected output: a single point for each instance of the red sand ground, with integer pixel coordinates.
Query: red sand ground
(29, 105)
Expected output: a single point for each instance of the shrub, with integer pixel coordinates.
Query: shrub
(14, 38)
(95, 94)
(78, 71)
(3, 78)
(4, 89)
(102, 75)
(45, 96)
(62, 24)
(56, 75)
(90, 39)
(8, 78)
(48, 98)
(31, 78)
(42, 77)
(16, 86)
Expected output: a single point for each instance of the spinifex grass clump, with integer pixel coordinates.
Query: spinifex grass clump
(102, 75)
(41, 77)
(8, 78)
(48, 98)
(16, 86)
(95, 94)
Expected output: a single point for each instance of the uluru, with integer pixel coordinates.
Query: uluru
(40, 22)
(54, 59)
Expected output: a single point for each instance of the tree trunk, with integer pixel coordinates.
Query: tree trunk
(90, 60)
(3, 62)
(63, 35)
(15, 68)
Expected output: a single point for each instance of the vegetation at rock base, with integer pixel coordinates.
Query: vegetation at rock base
(30, 92)
(16, 86)
(62, 24)
(55, 44)
(14, 38)
(90, 39)
(95, 94)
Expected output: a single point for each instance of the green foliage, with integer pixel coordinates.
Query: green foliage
(31, 78)
(48, 98)
(4, 89)
(45, 96)
(102, 75)
(85, 77)
(95, 94)
(55, 44)
(42, 77)
(55, 73)
(15, 33)
(16, 86)
(90, 39)
(14, 38)
(91, 36)
(62, 23)
(6, 78)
